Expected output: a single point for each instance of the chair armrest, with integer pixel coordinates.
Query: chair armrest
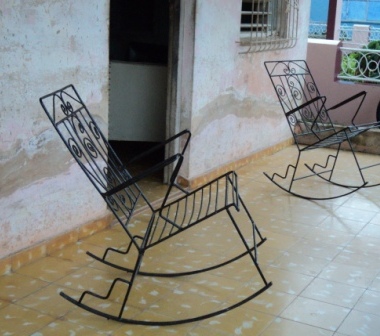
(151, 170)
(163, 144)
(309, 102)
(361, 94)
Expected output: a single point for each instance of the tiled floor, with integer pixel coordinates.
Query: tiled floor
(323, 258)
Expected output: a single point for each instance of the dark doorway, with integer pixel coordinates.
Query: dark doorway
(139, 31)
(139, 44)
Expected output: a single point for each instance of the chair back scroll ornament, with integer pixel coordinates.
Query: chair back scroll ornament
(312, 128)
(177, 211)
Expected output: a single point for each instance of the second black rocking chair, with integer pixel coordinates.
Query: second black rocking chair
(175, 213)
(312, 128)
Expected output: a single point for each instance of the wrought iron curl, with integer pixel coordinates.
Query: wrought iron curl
(83, 136)
(280, 89)
(94, 129)
(286, 69)
(90, 148)
(75, 149)
(307, 114)
(292, 119)
(311, 88)
(66, 107)
(294, 89)
(123, 200)
(113, 204)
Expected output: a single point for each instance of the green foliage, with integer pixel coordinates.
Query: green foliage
(374, 45)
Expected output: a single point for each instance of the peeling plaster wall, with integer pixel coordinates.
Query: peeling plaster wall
(46, 45)
(234, 110)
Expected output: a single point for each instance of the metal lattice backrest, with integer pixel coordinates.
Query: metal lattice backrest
(300, 99)
(87, 144)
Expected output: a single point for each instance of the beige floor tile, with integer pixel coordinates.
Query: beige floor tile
(364, 200)
(369, 302)
(352, 275)
(365, 244)
(267, 255)
(358, 215)
(49, 269)
(270, 302)
(282, 226)
(370, 230)
(15, 286)
(88, 278)
(279, 241)
(300, 263)
(134, 330)
(288, 282)
(355, 257)
(47, 301)
(342, 224)
(17, 320)
(316, 313)
(316, 249)
(179, 306)
(201, 331)
(240, 321)
(3, 303)
(283, 327)
(333, 292)
(89, 320)
(108, 238)
(63, 328)
(376, 219)
(329, 236)
(375, 285)
(77, 253)
(360, 323)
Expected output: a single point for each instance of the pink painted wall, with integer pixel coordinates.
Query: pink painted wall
(323, 59)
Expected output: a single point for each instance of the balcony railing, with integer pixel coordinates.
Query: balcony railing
(361, 65)
(317, 30)
(346, 32)
(360, 53)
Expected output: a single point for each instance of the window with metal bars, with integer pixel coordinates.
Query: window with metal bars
(268, 24)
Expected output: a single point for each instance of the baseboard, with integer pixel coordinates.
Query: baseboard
(200, 180)
(15, 261)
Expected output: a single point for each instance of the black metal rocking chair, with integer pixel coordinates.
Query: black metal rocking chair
(309, 121)
(175, 213)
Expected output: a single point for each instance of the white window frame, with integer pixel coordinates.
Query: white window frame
(268, 24)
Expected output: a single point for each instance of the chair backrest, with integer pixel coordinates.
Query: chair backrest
(300, 99)
(87, 144)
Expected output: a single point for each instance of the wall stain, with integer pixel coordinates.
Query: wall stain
(41, 159)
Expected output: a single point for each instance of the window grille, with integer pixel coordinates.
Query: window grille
(268, 24)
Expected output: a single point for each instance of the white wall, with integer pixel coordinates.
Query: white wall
(46, 45)
(234, 109)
